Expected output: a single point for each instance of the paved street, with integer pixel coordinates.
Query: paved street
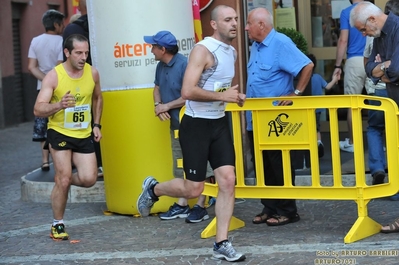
(318, 238)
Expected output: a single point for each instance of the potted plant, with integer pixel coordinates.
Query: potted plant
(297, 37)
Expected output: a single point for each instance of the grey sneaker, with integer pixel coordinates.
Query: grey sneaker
(227, 252)
(175, 211)
(145, 201)
(197, 215)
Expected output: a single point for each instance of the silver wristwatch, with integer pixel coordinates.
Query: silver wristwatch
(298, 92)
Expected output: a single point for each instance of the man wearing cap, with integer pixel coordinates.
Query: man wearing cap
(204, 129)
(167, 104)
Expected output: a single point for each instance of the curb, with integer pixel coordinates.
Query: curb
(40, 190)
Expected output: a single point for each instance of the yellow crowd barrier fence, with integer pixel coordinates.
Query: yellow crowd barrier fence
(289, 128)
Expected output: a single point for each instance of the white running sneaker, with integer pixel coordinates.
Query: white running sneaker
(227, 252)
(346, 146)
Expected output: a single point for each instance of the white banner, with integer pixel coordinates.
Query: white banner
(117, 28)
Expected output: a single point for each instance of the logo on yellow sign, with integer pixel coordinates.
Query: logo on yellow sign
(281, 126)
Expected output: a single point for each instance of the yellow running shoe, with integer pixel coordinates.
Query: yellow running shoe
(58, 232)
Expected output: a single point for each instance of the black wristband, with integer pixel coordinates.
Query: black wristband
(338, 66)
(97, 125)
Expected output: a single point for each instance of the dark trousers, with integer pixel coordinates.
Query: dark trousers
(273, 171)
(393, 92)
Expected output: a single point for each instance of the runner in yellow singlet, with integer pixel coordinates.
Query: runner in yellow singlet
(68, 94)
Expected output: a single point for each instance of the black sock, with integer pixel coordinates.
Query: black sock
(221, 242)
(152, 193)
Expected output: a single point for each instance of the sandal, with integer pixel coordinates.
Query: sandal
(391, 228)
(282, 220)
(46, 166)
(260, 218)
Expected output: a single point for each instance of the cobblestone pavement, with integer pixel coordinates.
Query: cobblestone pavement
(101, 239)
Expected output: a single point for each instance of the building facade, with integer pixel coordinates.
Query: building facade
(20, 21)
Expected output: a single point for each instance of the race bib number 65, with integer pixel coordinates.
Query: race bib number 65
(77, 117)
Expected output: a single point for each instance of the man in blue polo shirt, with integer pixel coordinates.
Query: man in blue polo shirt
(275, 61)
(167, 104)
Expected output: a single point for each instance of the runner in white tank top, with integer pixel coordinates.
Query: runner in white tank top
(216, 78)
(204, 131)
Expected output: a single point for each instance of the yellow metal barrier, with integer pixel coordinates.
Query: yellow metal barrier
(288, 128)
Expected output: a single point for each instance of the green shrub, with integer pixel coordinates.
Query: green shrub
(296, 37)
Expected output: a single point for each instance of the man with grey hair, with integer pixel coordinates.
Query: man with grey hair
(384, 59)
(45, 52)
(376, 123)
(383, 63)
(274, 62)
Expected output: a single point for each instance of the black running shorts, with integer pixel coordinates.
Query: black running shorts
(202, 140)
(60, 141)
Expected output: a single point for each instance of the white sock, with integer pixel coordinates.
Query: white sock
(55, 222)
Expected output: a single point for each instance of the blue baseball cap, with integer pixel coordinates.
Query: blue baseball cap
(163, 38)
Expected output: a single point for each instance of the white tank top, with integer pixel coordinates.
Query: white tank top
(216, 78)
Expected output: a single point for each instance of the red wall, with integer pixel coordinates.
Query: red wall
(18, 90)
(30, 26)
(6, 51)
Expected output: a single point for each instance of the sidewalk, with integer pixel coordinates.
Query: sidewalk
(117, 239)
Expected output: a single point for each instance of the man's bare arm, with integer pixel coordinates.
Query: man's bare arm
(341, 50)
(33, 67)
(305, 75)
(201, 59)
(43, 107)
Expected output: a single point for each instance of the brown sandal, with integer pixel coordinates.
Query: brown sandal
(391, 228)
(282, 220)
(260, 218)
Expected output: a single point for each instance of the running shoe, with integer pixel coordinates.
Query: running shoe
(145, 201)
(58, 232)
(227, 252)
(346, 146)
(197, 215)
(175, 211)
